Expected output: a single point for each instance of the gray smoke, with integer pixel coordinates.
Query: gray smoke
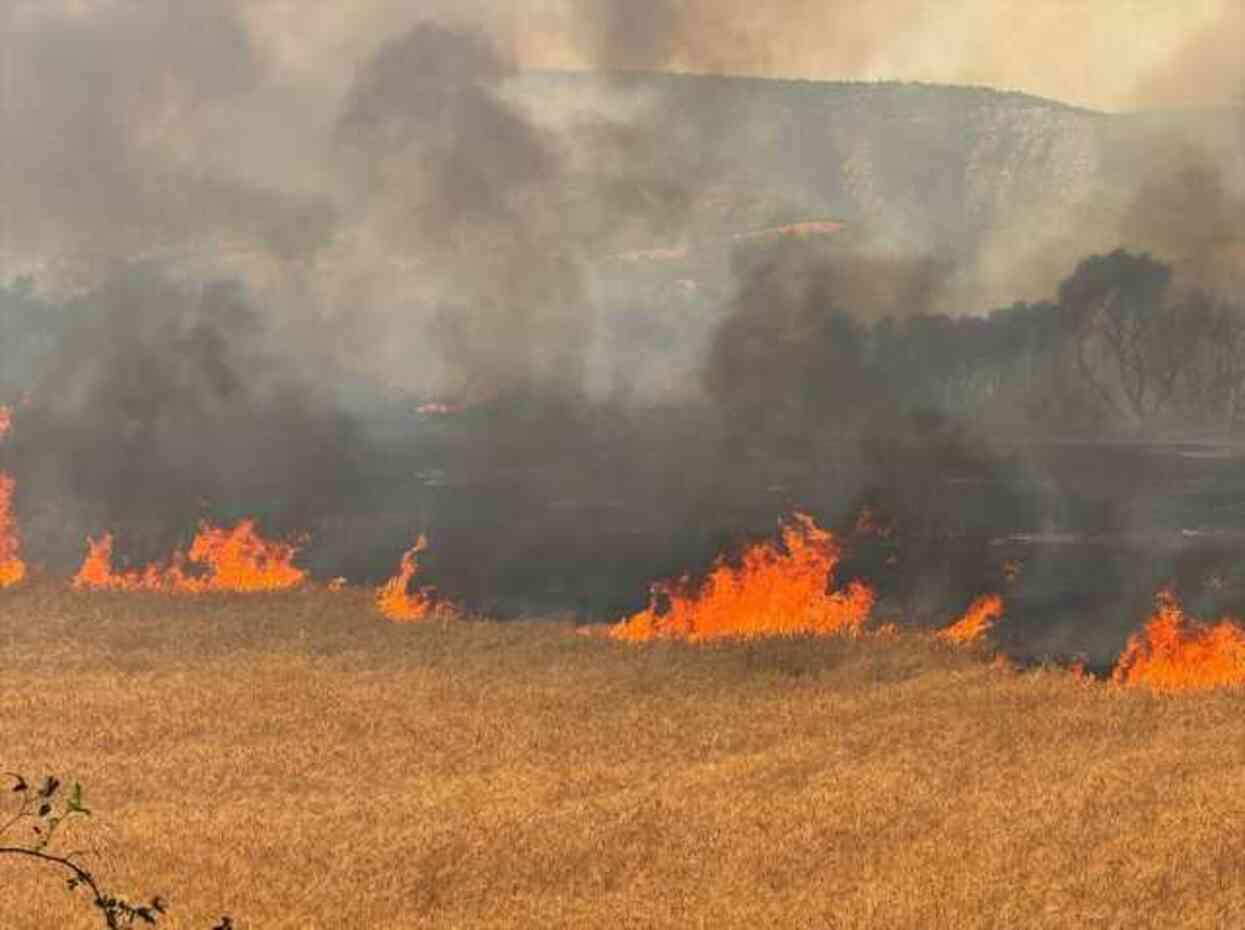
(459, 183)
(101, 109)
(166, 403)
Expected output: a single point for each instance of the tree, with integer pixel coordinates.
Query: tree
(1129, 348)
(1212, 389)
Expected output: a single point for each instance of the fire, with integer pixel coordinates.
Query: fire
(773, 591)
(439, 409)
(225, 560)
(1081, 674)
(403, 606)
(802, 230)
(1175, 654)
(12, 568)
(981, 615)
(677, 253)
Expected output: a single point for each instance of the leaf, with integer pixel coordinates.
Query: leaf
(74, 803)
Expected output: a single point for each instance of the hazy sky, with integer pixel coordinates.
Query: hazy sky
(1108, 54)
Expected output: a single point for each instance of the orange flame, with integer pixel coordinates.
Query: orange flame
(1081, 674)
(982, 614)
(402, 606)
(773, 591)
(1174, 654)
(229, 560)
(12, 568)
(803, 230)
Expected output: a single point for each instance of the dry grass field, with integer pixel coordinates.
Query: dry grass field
(298, 762)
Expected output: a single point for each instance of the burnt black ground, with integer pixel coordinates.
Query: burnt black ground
(1077, 535)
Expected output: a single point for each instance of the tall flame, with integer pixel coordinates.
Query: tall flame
(12, 568)
(773, 591)
(398, 603)
(227, 560)
(981, 615)
(1173, 654)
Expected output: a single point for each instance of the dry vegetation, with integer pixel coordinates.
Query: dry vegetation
(300, 763)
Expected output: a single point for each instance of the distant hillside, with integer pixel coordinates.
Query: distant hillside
(909, 167)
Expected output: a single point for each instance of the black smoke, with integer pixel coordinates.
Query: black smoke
(166, 403)
(102, 114)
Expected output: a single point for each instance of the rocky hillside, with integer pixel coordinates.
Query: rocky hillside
(927, 169)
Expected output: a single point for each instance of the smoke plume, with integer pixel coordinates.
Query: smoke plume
(100, 112)
(167, 403)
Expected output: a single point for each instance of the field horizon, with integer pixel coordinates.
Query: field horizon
(294, 760)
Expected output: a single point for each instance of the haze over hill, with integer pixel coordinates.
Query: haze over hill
(1006, 189)
(1001, 191)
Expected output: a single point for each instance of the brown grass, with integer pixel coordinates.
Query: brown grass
(296, 761)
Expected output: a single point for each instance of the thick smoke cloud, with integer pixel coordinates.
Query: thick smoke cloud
(99, 119)
(167, 403)
(458, 181)
(167, 396)
(1190, 203)
(1190, 208)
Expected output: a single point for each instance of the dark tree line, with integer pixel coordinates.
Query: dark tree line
(1118, 350)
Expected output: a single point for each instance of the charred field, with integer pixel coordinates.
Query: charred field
(293, 758)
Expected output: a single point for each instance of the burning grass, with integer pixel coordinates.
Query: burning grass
(981, 616)
(12, 568)
(238, 560)
(1173, 654)
(397, 602)
(306, 760)
(772, 591)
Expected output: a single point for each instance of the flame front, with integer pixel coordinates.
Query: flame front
(1173, 654)
(982, 614)
(227, 560)
(12, 568)
(401, 605)
(773, 591)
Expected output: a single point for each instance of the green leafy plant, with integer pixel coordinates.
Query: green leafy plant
(44, 808)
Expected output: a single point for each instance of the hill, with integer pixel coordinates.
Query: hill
(1003, 181)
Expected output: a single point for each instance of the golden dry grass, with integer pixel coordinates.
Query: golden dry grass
(296, 761)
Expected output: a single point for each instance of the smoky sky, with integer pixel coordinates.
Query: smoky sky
(1110, 55)
(458, 180)
(99, 109)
